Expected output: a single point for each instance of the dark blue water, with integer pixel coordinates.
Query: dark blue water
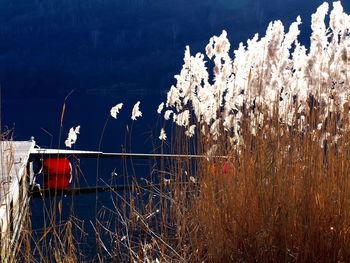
(111, 51)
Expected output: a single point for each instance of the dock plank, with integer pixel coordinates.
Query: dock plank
(14, 156)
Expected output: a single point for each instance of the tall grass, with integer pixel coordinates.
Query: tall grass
(284, 199)
(282, 196)
(280, 115)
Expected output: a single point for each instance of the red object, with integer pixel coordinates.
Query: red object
(57, 173)
(226, 169)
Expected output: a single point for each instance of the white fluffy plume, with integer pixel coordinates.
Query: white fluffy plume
(115, 110)
(162, 135)
(136, 111)
(275, 70)
(72, 136)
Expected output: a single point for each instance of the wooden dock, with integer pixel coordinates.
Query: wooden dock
(42, 152)
(14, 156)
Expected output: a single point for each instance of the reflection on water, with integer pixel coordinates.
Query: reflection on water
(120, 90)
(234, 4)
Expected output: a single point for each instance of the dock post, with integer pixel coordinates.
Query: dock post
(13, 193)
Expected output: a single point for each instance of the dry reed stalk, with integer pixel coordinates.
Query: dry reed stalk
(285, 198)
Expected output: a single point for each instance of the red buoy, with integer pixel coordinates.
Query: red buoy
(225, 168)
(57, 173)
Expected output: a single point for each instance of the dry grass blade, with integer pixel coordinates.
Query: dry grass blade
(48, 230)
(59, 206)
(62, 114)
